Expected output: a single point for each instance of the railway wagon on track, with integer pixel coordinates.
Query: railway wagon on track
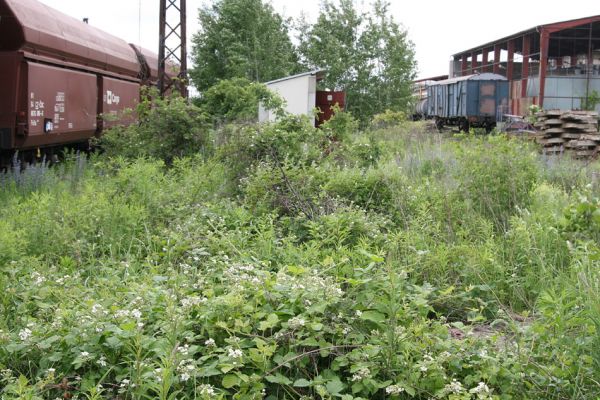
(469, 101)
(59, 76)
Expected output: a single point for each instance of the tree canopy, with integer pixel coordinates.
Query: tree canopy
(241, 39)
(366, 54)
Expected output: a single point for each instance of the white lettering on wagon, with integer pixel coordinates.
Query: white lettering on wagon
(59, 109)
(111, 98)
(36, 110)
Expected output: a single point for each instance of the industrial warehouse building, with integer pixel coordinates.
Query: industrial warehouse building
(555, 66)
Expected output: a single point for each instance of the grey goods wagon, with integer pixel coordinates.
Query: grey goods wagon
(468, 101)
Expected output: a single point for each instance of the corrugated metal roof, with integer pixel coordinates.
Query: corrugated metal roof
(552, 26)
(320, 73)
(475, 77)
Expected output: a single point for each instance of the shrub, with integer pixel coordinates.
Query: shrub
(496, 176)
(237, 99)
(167, 128)
(388, 118)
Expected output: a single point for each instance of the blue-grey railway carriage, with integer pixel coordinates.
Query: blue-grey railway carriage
(468, 101)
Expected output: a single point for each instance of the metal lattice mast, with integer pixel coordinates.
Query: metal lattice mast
(172, 47)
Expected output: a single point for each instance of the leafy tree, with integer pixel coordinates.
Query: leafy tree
(237, 99)
(366, 54)
(241, 39)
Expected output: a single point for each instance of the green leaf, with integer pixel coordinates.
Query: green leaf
(302, 383)
(230, 380)
(317, 326)
(335, 386)
(278, 378)
(373, 316)
(271, 322)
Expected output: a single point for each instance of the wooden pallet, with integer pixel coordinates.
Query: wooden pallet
(575, 132)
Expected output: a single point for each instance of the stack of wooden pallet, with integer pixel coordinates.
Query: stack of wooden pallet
(571, 131)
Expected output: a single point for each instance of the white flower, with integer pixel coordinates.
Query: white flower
(206, 390)
(362, 373)
(210, 343)
(454, 387)
(84, 354)
(102, 361)
(358, 313)
(192, 301)
(38, 278)
(121, 313)
(423, 368)
(25, 334)
(296, 322)
(394, 389)
(97, 308)
(184, 349)
(50, 371)
(135, 313)
(185, 377)
(481, 390)
(235, 353)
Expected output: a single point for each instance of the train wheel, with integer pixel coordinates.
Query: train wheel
(463, 125)
(439, 124)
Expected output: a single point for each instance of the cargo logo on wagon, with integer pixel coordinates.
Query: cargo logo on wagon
(111, 98)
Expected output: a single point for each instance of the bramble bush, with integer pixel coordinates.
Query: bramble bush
(167, 128)
(288, 265)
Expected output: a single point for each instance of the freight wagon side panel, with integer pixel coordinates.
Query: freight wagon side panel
(10, 64)
(117, 102)
(61, 106)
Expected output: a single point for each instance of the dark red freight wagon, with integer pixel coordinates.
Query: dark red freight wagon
(58, 75)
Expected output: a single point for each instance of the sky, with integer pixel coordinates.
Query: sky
(438, 29)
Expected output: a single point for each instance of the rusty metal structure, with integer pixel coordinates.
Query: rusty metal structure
(59, 77)
(555, 66)
(172, 46)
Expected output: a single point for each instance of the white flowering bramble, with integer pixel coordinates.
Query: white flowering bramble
(454, 387)
(235, 353)
(361, 373)
(186, 370)
(482, 391)
(206, 390)
(296, 322)
(37, 278)
(394, 390)
(25, 334)
(102, 361)
(192, 301)
(184, 350)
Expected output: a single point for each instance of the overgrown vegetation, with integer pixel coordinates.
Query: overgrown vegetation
(294, 263)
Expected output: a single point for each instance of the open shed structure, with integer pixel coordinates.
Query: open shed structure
(302, 97)
(555, 66)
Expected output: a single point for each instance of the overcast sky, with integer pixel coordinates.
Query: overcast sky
(437, 28)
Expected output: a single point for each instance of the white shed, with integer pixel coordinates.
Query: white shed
(299, 93)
